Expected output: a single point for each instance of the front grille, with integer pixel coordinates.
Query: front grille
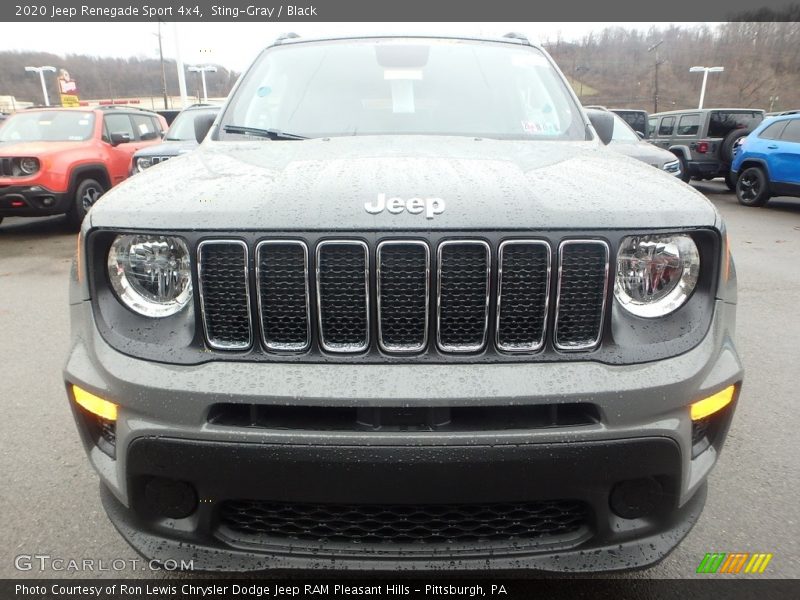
(7, 167)
(261, 522)
(318, 296)
(343, 295)
(154, 160)
(224, 293)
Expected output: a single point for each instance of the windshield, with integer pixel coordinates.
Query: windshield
(182, 128)
(48, 126)
(409, 86)
(623, 131)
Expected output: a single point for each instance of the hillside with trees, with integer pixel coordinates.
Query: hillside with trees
(612, 67)
(761, 61)
(99, 78)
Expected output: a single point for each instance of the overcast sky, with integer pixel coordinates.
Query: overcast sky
(234, 45)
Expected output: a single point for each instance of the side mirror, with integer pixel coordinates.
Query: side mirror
(603, 124)
(120, 138)
(640, 134)
(202, 125)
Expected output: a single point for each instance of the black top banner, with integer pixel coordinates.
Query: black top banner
(400, 11)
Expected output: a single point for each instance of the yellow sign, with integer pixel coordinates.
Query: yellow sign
(69, 100)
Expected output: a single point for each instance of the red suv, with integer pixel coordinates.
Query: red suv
(61, 160)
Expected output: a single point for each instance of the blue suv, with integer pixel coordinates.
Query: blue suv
(767, 163)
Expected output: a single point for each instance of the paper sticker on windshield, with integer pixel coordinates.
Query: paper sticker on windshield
(537, 128)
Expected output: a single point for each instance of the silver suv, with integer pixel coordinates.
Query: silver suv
(402, 308)
(703, 139)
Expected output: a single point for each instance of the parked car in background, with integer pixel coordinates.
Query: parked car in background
(3, 117)
(61, 160)
(767, 162)
(637, 119)
(178, 140)
(626, 141)
(703, 138)
(784, 112)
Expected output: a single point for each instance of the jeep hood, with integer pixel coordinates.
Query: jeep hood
(647, 153)
(324, 184)
(36, 149)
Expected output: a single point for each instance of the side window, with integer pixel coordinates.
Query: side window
(119, 124)
(689, 124)
(792, 132)
(651, 127)
(773, 132)
(145, 127)
(667, 125)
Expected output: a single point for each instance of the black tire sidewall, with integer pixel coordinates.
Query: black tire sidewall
(763, 194)
(76, 212)
(726, 149)
(685, 177)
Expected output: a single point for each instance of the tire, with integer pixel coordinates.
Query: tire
(730, 181)
(685, 177)
(752, 187)
(726, 149)
(86, 194)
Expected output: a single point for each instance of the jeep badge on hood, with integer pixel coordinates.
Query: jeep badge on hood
(430, 206)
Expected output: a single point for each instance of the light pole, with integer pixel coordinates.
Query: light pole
(41, 71)
(654, 48)
(705, 71)
(202, 71)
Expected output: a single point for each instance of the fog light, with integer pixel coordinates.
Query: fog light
(95, 404)
(48, 201)
(712, 404)
(637, 498)
(170, 498)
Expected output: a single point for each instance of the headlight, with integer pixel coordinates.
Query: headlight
(143, 163)
(150, 273)
(29, 166)
(656, 274)
(673, 167)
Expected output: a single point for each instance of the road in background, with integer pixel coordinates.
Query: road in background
(49, 497)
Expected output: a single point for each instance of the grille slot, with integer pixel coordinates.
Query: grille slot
(283, 300)
(522, 295)
(224, 296)
(463, 295)
(259, 522)
(6, 167)
(343, 295)
(403, 279)
(582, 288)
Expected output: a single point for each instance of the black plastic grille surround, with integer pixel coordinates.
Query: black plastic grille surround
(222, 270)
(454, 296)
(403, 293)
(254, 522)
(342, 295)
(463, 294)
(524, 294)
(583, 278)
(283, 295)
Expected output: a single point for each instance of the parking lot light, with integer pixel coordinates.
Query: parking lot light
(41, 72)
(705, 71)
(202, 70)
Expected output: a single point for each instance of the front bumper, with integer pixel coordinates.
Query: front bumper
(644, 432)
(31, 201)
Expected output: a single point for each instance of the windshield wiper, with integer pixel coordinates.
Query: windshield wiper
(273, 134)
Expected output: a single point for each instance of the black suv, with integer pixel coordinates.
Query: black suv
(703, 138)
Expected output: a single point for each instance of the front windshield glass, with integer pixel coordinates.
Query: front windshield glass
(623, 131)
(48, 126)
(182, 128)
(408, 86)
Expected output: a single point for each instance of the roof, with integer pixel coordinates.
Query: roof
(695, 110)
(510, 38)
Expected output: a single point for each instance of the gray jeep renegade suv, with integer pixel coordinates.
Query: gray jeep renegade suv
(403, 309)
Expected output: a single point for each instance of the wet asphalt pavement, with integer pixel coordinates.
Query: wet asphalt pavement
(49, 495)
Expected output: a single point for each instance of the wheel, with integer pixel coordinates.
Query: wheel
(685, 177)
(86, 194)
(752, 187)
(730, 181)
(728, 144)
